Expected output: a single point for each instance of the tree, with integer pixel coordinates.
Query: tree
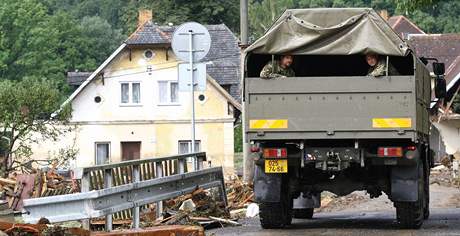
(27, 43)
(98, 41)
(29, 112)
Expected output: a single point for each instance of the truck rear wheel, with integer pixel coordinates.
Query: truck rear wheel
(276, 215)
(410, 215)
(306, 213)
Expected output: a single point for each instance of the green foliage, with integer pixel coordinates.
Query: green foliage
(37, 43)
(27, 115)
(441, 17)
(432, 16)
(27, 42)
(238, 138)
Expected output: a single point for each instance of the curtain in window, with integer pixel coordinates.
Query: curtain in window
(136, 87)
(183, 147)
(124, 93)
(163, 91)
(174, 92)
(102, 153)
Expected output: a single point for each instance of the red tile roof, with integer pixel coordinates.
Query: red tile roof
(444, 47)
(404, 26)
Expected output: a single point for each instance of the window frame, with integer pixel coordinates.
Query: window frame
(108, 154)
(130, 102)
(189, 147)
(168, 93)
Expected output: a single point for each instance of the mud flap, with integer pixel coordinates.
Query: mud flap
(404, 183)
(267, 187)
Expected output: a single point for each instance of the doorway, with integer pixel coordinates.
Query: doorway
(130, 151)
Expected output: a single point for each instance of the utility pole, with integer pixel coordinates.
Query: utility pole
(244, 22)
(248, 164)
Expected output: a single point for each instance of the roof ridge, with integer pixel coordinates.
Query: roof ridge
(412, 24)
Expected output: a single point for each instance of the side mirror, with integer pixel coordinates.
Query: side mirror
(440, 87)
(438, 68)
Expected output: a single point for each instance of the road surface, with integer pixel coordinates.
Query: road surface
(364, 216)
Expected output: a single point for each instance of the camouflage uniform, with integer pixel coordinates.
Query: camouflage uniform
(274, 70)
(380, 69)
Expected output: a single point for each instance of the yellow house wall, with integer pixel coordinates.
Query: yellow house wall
(157, 126)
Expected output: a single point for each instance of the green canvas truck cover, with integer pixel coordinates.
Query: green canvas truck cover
(331, 31)
(334, 107)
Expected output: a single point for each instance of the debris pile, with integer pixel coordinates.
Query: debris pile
(331, 202)
(239, 194)
(443, 175)
(39, 230)
(36, 184)
(197, 208)
(204, 208)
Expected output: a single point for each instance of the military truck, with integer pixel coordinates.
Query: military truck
(332, 127)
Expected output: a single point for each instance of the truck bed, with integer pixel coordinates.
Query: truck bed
(331, 107)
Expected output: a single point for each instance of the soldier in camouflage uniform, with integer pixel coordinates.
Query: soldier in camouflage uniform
(378, 66)
(278, 68)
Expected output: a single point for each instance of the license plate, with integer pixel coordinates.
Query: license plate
(276, 166)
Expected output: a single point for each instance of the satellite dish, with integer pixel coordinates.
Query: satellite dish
(201, 41)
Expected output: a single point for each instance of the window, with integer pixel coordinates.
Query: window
(168, 92)
(130, 93)
(185, 146)
(102, 153)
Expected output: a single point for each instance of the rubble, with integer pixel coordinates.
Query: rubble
(17, 229)
(331, 202)
(176, 230)
(201, 208)
(443, 175)
(38, 183)
(239, 194)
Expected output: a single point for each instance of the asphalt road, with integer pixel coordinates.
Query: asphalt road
(443, 221)
(364, 216)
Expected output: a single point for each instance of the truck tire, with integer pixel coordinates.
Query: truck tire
(410, 215)
(306, 213)
(276, 215)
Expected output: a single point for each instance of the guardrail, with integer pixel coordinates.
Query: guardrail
(111, 188)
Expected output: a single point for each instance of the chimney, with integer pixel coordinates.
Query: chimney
(144, 16)
(384, 14)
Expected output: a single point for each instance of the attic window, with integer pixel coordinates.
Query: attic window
(149, 54)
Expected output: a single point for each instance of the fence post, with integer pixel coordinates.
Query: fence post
(159, 174)
(108, 184)
(136, 214)
(182, 164)
(199, 162)
(85, 187)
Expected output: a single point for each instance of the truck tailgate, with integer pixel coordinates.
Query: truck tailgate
(338, 107)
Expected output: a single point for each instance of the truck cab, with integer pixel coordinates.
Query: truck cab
(332, 127)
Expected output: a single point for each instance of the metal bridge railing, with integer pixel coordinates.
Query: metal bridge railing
(141, 182)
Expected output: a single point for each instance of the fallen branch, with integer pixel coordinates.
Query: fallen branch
(225, 221)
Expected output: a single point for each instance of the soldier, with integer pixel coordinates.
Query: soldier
(278, 68)
(378, 66)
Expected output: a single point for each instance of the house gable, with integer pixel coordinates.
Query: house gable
(130, 66)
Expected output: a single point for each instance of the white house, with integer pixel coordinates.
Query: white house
(131, 108)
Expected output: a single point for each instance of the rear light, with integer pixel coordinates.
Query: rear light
(255, 149)
(275, 153)
(390, 152)
(411, 152)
